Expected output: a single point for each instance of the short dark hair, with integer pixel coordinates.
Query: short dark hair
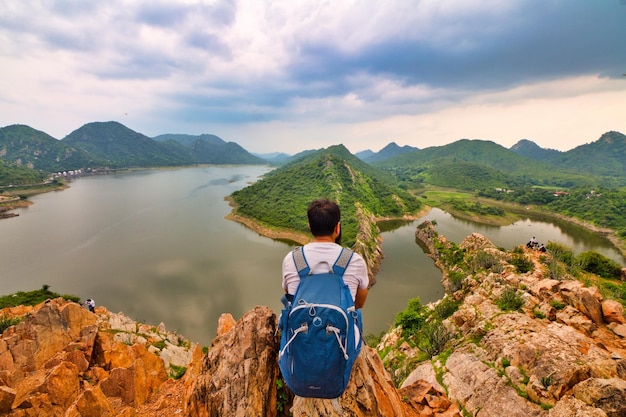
(323, 216)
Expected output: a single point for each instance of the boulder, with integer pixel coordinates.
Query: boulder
(62, 384)
(613, 312)
(91, 403)
(478, 388)
(572, 407)
(606, 394)
(7, 396)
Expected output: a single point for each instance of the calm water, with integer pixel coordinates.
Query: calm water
(155, 245)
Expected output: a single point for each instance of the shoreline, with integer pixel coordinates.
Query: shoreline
(302, 238)
(266, 231)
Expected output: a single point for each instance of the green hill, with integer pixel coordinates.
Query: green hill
(466, 176)
(605, 157)
(32, 148)
(188, 140)
(477, 151)
(531, 150)
(445, 165)
(11, 174)
(120, 147)
(280, 199)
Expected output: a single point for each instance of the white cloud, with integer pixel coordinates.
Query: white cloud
(303, 74)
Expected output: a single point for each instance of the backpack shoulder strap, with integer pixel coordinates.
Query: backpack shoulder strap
(342, 261)
(302, 266)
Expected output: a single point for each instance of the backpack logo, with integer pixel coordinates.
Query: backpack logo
(321, 331)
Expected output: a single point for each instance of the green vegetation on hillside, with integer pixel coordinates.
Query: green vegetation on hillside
(281, 198)
(11, 174)
(31, 298)
(33, 148)
(602, 207)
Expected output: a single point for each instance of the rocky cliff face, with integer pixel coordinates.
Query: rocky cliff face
(63, 360)
(562, 354)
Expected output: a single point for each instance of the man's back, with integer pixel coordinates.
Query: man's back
(321, 256)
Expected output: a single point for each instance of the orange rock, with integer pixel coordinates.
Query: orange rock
(225, 323)
(613, 312)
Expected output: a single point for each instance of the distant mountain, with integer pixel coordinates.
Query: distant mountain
(363, 155)
(188, 140)
(281, 197)
(499, 166)
(210, 149)
(605, 157)
(389, 151)
(276, 158)
(32, 148)
(477, 151)
(531, 150)
(113, 145)
(120, 147)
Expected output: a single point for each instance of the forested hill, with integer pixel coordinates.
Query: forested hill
(531, 150)
(280, 199)
(605, 157)
(478, 164)
(31, 148)
(210, 149)
(113, 145)
(118, 146)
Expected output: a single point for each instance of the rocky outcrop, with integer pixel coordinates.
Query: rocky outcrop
(561, 354)
(240, 370)
(64, 360)
(369, 242)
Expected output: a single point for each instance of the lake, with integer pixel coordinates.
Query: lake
(154, 244)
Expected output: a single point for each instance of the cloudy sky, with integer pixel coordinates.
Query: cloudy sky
(292, 75)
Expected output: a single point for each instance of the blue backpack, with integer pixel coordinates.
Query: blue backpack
(321, 331)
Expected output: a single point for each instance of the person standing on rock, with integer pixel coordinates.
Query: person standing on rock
(91, 305)
(325, 226)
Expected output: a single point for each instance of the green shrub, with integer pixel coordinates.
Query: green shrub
(561, 252)
(6, 322)
(599, 264)
(614, 290)
(446, 307)
(434, 337)
(177, 372)
(450, 255)
(483, 261)
(32, 298)
(559, 305)
(456, 279)
(412, 319)
(510, 300)
(556, 270)
(522, 263)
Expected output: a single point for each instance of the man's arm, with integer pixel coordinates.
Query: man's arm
(359, 299)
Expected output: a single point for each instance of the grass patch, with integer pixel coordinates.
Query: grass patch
(510, 300)
(6, 322)
(32, 298)
(177, 372)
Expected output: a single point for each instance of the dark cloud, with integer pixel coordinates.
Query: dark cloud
(546, 41)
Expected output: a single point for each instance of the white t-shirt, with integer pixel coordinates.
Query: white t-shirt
(315, 254)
